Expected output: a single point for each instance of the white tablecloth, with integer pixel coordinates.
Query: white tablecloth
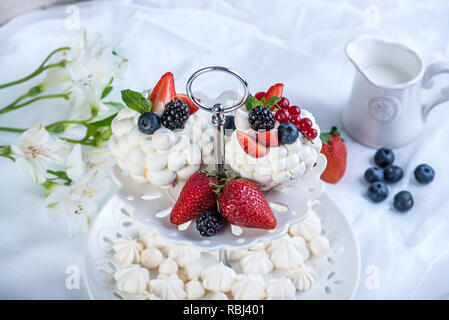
(299, 43)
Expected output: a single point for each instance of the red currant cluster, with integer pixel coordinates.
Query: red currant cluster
(287, 113)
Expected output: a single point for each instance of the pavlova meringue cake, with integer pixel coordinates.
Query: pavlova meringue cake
(274, 143)
(158, 139)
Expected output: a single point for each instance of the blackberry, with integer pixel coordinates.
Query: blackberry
(209, 222)
(261, 118)
(175, 114)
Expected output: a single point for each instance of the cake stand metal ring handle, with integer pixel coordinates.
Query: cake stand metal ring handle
(221, 69)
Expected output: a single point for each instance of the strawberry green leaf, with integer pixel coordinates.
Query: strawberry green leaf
(136, 101)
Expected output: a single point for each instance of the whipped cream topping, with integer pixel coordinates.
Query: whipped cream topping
(163, 158)
(282, 165)
(132, 279)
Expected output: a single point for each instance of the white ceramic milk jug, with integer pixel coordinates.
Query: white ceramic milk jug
(385, 107)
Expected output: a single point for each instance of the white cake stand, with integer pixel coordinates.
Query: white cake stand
(338, 272)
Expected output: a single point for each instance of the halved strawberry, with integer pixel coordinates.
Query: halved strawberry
(250, 145)
(163, 92)
(268, 138)
(193, 108)
(274, 91)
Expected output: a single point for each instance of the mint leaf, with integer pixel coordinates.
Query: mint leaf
(252, 102)
(106, 92)
(272, 101)
(136, 101)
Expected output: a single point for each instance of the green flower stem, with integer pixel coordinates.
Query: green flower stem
(14, 106)
(42, 67)
(16, 130)
(5, 151)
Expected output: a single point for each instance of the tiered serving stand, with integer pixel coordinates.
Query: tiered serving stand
(136, 206)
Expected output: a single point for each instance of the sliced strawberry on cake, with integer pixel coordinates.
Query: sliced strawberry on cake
(163, 92)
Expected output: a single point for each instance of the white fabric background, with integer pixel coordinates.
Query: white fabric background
(299, 43)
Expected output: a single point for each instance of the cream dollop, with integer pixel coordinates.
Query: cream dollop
(150, 239)
(218, 278)
(191, 270)
(281, 289)
(127, 251)
(248, 287)
(168, 287)
(132, 279)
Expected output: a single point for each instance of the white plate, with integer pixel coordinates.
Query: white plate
(338, 273)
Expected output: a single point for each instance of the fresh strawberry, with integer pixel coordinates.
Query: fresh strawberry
(268, 138)
(243, 204)
(196, 196)
(274, 91)
(335, 151)
(193, 108)
(250, 145)
(163, 92)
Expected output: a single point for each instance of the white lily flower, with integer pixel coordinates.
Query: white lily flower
(35, 150)
(79, 161)
(54, 77)
(78, 202)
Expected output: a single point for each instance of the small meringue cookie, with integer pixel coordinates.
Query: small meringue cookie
(218, 296)
(308, 229)
(320, 246)
(234, 255)
(257, 262)
(127, 251)
(194, 289)
(218, 278)
(191, 270)
(303, 277)
(281, 289)
(168, 287)
(168, 266)
(259, 246)
(287, 253)
(151, 258)
(150, 239)
(248, 287)
(185, 254)
(132, 279)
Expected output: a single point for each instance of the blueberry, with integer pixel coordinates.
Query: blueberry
(149, 122)
(384, 157)
(287, 133)
(393, 173)
(229, 125)
(424, 173)
(374, 174)
(403, 201)
(378, 191)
